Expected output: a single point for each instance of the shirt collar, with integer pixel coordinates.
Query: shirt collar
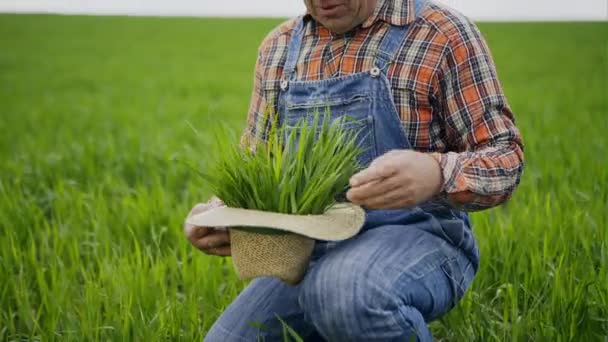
(393, 12)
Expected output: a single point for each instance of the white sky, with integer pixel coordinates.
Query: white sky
(476, 9)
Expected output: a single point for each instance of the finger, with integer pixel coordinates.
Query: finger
(384, 201)
(214, 240)
(217, 238)
(376, 172)
(194, 233)
(373, 189)
(202, 207)
(215, 202)
(220, 251)
(198, 208)
(392, 202)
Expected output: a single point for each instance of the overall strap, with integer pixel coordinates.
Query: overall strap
(293, 50)
(393, 39)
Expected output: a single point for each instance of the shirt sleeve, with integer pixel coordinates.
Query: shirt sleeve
(487, 159)
(266, 81)
(257, 107)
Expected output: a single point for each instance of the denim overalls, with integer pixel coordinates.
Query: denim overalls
(405, 268)
(367, 97)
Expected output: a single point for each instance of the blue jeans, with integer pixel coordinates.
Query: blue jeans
(382, 285)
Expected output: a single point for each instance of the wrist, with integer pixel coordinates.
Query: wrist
(436, 161)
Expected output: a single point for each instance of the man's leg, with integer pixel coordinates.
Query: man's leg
(384, 285)
(258, 306)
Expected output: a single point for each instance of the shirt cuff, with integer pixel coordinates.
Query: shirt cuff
(440, 159)
(447, 163)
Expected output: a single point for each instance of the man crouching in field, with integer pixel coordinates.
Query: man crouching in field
(441, 141)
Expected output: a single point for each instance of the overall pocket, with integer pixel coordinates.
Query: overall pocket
(354, 113)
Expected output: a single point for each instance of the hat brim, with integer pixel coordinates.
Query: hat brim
(340, 222)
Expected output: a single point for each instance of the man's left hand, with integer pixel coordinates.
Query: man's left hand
(397, 179)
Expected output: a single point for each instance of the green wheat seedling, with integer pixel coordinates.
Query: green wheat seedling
(298, 169)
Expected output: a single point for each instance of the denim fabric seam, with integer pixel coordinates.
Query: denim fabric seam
(390, 96)
(430, 270)
(337, 101)
(331, 80)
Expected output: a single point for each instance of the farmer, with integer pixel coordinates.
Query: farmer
(440, 141)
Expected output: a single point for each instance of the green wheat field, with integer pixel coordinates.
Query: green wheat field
(94, 111)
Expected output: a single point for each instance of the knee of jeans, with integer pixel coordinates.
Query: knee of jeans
(337, 298)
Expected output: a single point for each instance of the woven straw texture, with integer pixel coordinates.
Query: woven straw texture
(284, 256)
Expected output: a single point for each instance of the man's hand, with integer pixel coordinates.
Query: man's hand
(397, 179)
(210, 240)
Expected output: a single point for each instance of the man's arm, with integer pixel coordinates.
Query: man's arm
(257, 107)
(487, 161)
(487, 164)
(268, 68)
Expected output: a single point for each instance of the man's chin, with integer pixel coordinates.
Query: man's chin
(338, 27)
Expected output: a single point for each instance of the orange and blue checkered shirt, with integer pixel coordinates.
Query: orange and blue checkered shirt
(444, 85)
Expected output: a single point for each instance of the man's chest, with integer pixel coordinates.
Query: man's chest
(411, 73)
(324, 56)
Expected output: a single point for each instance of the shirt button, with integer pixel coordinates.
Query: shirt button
(284, 85)
(375, 72)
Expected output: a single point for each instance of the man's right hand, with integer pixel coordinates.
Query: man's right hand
(212, 241)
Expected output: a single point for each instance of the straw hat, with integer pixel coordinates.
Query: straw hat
(282, 248)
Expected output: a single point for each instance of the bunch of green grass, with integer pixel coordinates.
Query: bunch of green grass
(296, 170)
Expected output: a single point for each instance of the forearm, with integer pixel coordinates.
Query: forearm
(481, 179)
(483, 159)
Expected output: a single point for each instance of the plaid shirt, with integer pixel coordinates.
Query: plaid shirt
(444, 86)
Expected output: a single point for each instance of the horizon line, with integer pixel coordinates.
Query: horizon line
(178, 14)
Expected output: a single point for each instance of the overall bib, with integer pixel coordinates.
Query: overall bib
(406, 267)
(367, 98)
